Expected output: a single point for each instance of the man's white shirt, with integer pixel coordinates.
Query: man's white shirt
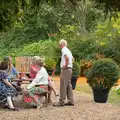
(66, 51)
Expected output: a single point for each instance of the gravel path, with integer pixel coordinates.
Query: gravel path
(84, 109)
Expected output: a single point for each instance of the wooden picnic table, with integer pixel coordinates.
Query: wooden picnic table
(22, 81)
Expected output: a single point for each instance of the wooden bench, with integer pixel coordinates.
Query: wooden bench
(22, 64)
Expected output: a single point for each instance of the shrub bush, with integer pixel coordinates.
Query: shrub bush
(50, 63)
(83, 47)
(104, 73)
(112, 50)
(44, 48)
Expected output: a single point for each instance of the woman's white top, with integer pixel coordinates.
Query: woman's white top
(40, 79)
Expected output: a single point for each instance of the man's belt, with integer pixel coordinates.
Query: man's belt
(66, 68)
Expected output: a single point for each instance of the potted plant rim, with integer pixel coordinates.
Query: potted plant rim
(102, 75)
(75, 74)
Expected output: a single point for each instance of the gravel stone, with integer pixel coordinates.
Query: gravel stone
(85, 109)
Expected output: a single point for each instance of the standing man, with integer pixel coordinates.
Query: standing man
(65, 76)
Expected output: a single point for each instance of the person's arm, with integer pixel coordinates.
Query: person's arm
(73, 59)
(36, 80)
(8, 83)
(17, 76)
(35, 69)
(64, 53)
(15, 72)
(9, 68)
(66, 61)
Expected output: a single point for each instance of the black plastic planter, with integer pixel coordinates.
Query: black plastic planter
(100, 95)
(50, 71)
(73, 82)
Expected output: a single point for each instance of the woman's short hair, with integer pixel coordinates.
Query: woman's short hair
(3, 65)
(40, 62)
(7, 58)
(35, 58)
(63, 42)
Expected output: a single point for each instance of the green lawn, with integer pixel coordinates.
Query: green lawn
(113, 98)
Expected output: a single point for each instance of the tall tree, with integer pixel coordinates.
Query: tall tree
(12, 10)
(109, 5)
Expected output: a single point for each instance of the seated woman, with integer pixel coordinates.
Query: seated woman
(38, 85)
(34, 68)
(12, 73)
(33, 71)
(7, 91)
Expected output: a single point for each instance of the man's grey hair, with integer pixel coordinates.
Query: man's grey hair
(63, 42)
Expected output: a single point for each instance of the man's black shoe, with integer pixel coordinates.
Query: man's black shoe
(34, 106)
(69, 104)
(58, 105)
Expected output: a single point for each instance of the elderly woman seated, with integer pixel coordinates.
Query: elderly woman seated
(38, 86)
(7, 91)
(12, 73)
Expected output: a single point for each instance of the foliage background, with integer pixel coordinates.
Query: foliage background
(28, 29)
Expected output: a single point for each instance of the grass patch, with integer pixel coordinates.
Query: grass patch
(113, 97)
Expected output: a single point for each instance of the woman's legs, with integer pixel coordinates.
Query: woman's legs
(52, 86)
(10, 104)
(49, 94)
(9, 101)
(33, 96)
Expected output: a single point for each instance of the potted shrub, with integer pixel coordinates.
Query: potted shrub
(50, 65)
(75, 74)
(102, 75)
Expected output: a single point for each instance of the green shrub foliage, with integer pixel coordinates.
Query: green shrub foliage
(104, 73)
(50, 63)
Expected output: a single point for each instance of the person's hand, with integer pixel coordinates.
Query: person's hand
(10, 65)
(64, 67)
(25, 92)
(14, 88)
